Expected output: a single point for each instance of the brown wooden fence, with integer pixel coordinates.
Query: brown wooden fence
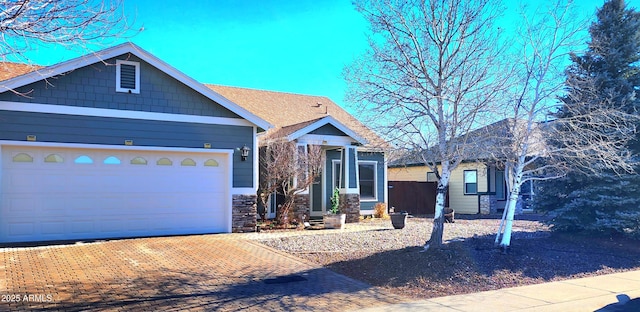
(416, 198)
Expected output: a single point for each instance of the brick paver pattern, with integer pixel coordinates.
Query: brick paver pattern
(195, 273)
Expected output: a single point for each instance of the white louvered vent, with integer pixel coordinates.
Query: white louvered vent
(127, 76)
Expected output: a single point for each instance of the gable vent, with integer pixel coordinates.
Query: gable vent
(127, 76)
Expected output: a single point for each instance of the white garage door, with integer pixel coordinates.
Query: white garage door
(59, 193)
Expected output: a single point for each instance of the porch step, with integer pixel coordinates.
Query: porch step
(316, 222)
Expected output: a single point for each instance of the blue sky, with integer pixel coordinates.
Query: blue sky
(291, 46)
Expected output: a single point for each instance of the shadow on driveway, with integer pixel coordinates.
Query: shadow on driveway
(204, 272)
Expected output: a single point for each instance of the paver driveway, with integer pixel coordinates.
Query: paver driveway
(201, 272)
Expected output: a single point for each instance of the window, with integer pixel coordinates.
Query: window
(164, 162)
(138, 161)
(431, 177)
(188, 162)
(127, 76)
(367, 171)
(53, 158)
(111, 160)
(367, 179)
(470, 182)
(336, 174)
(211, 163)
(500, 186)
(22, 157)
(84, 159)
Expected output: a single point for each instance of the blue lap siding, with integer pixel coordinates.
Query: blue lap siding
(362, 156)
(93, 86)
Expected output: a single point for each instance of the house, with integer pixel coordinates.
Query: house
(118, 143)
(476, 186)
(317, 120)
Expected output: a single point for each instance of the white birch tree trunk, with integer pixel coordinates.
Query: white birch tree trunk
(501, 226)
(438, 218)
(513, 177)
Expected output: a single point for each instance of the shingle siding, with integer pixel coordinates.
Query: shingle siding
(328, 130)
(59, 128)
(95, 85)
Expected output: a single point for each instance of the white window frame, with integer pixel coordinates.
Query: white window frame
(375, 180)
(118, 70)
(464, 182)
(335, 172)
(335, 162)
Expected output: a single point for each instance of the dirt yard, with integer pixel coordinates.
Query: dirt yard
(469, 262)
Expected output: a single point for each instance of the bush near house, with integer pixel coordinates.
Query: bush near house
(608, 204)
(380, 210)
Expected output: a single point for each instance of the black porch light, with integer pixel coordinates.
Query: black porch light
(244, 152)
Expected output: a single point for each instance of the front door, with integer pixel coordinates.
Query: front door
(316, 197)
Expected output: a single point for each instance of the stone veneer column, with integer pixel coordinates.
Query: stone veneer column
(350, 205)
(301, 210)
(244, 216)
(493, 204)
(488, 204)
(485, 204)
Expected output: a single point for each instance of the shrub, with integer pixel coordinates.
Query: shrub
(335, 201)
(380, 210)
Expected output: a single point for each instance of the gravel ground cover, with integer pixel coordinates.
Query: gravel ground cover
(374, 252)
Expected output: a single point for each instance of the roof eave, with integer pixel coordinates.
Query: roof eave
(324, 121)
(128, 47)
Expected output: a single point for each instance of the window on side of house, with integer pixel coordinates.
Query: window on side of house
(470, 182)
(127, 76)
(367, 171)
(431, 177)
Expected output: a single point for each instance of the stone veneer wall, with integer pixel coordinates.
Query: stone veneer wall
(244, 216)
(301, 204)
(488, 204)
(350, 205)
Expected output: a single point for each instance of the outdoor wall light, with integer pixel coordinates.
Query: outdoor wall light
(244, 152)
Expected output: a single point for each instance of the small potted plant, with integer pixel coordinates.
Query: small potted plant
(334, 219)
(398, 219)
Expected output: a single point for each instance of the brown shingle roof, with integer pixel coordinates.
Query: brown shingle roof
(10, 70)
(287, 109)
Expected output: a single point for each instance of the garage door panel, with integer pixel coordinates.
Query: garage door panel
(53, 227)
(111, 226)
(82, 226)
(24, 228)
(19, 205)
(61, 199)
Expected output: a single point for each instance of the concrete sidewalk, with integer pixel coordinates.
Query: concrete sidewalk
(605, 293)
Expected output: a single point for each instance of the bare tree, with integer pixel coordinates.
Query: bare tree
(544, 38)
(431, 75)
(532, 150)
(26, 24)
(288, 169)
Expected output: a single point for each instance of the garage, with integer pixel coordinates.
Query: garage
(60, 193)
